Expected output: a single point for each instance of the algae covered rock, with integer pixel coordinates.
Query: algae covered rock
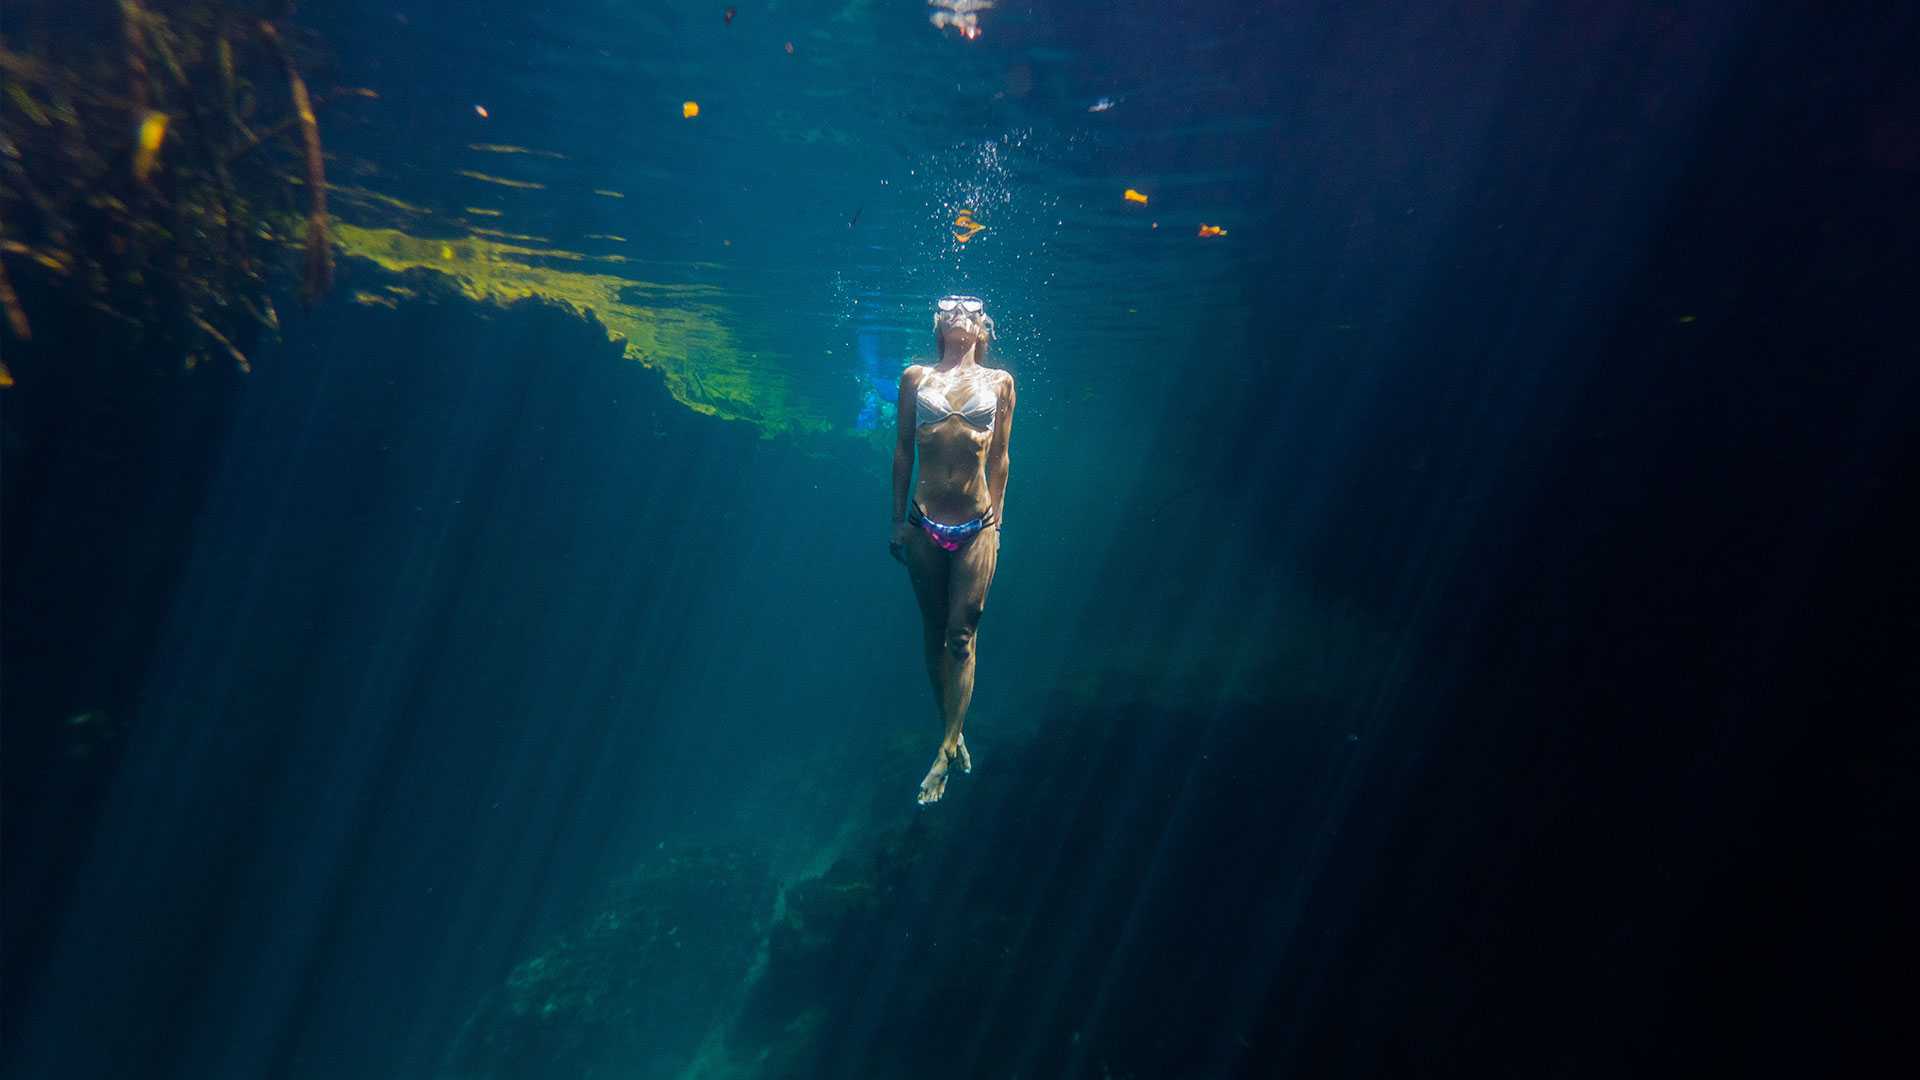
(635, 990)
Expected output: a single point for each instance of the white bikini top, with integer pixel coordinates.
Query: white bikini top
(931, 406)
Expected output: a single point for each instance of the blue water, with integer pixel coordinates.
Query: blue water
(1413, 600)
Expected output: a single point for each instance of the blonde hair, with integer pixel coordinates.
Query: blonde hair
(980, 323)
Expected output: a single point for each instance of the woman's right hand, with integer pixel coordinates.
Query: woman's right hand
(897, 541)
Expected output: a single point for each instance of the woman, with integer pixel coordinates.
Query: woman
(958, 414)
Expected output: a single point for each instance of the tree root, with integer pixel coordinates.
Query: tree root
(319, 251)
(232, 350)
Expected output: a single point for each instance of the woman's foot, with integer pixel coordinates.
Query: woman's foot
(935, 785)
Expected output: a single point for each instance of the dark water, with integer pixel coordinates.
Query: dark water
(1454, 623)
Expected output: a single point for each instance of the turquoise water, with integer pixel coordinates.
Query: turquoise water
(1406, 585)
(810, 202)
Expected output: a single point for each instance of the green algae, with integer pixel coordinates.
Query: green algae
(679, 329)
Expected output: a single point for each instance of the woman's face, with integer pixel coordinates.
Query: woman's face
(970, 327)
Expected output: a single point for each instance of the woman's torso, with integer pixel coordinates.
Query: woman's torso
(953, 429)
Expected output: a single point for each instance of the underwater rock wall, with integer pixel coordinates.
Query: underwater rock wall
(634, 991)
(1086, 906)
(1087, 903)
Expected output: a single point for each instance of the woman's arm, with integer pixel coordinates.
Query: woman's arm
(903, 440)
(997, 456)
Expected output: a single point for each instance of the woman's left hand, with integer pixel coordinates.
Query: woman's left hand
(897, 539)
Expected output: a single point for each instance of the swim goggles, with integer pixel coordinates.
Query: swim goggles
(972, 305)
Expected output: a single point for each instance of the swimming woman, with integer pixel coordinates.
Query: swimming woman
(958, 415)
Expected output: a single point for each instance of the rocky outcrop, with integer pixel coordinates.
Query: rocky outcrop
(634, 991)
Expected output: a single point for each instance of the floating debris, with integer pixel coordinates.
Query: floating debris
(522, 237)
(496, 148)
(965, 228)
(608, 194)
(16, 318)
(481, 211)
(367, 195)
(90, 733)
(208, 328)
(689, 109)
(266, 314)
(501, 180)
(18, 94)
(1211, 230)
(607, 236)
(1134, 196)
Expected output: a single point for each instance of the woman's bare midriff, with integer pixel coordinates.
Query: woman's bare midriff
(953, 471)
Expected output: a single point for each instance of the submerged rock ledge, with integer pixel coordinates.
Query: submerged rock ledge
(1077, 876)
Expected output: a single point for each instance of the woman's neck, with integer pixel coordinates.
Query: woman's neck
(952, 355)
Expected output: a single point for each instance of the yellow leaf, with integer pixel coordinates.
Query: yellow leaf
(153, 131)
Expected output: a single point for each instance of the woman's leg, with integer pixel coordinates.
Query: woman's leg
(927, 566)
(969, 578)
